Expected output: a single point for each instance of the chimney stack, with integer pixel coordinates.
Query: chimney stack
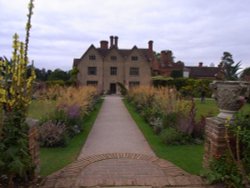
(200, 64)
(104, 44)
(150, 46)
(116, 41)
(111, 41)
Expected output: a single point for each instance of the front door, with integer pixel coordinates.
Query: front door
(112, 88)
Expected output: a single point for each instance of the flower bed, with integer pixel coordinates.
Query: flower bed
(72, 105)
(167, 112)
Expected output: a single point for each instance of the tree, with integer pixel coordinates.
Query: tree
(229, 69)
(245, 73)
(59, 74)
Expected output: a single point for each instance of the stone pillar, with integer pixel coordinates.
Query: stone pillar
(215, 143)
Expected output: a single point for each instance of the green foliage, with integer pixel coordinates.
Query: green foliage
(170, 120)
(159, 81)
(73, 76)
(163, 108)
(186, 86)
(15, 96)
(171, 136)
(58, 74)
(246, 71)
(223, 169)
(177, 74)
(123, 89)
(15, 158)
(73, 125)
(233, 168)
(195, 87)
(230, 71)
(52, 83)
(53, 134)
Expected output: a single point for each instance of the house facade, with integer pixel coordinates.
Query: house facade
(164, 64)
(106, 66)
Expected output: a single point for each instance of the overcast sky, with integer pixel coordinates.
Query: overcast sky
(195, 30)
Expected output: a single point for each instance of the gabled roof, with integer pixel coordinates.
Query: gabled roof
(202, 72)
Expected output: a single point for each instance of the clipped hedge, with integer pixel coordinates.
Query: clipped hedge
(186, 86)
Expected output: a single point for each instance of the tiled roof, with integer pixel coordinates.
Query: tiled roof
(124, 52)
(205, 72)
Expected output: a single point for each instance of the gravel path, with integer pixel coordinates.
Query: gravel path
(115, 131)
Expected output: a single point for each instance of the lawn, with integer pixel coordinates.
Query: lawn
(53, 159)
(39, 108)
(209, 108)
(187, 157)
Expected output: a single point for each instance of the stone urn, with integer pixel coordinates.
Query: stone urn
(230, 96)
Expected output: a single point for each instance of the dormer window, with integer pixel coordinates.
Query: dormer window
(113, 58)
(134, 58)
(92, 57)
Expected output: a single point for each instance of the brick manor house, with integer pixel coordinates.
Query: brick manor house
(106, 66)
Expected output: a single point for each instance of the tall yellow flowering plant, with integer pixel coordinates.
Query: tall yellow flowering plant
(15, 96)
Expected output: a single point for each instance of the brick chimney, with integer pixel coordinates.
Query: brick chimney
(163, 56)
(111, 41)
(104, 44)
(150, 46)
(116, 41)
(200, 64)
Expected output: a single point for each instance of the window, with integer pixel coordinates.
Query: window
(92, 83)
(134, 84)
(134, 58)
(92, 71)
(113, 58)
(134, 71)
(113, 70)
(91, 57)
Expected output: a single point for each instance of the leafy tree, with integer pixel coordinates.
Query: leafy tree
(177, 73)
(245, 72)
(229, 69)
(59, 74)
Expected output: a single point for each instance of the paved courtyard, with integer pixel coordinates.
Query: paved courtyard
(117, 154)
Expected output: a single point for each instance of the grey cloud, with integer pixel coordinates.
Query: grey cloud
(194, 30)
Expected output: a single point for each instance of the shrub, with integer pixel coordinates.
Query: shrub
(170, 120)
(16, 165)
(53, 134)
(123, 89)
(55, 83)
(164, 108)
(73, 123)
(173, 137)
(233, 167)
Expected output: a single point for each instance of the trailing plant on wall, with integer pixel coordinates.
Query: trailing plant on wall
(15, 97)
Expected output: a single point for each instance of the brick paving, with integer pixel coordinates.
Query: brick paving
(117, 154)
